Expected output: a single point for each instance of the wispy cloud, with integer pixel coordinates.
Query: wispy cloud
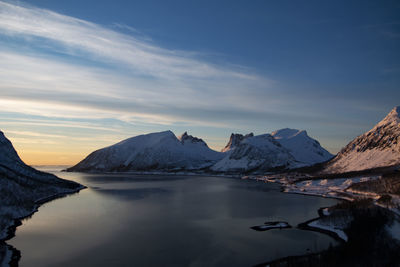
(106, 44)
(133, 80)
(73, 73)
(35, 134)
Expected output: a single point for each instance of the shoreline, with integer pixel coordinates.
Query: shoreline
(305, 226)
(302, 226)
(11, 229)
(203, 174)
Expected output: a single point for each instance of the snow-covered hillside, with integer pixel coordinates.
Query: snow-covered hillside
(305, 150)
(285, 148)
(163, 151)
(155, 151)
(261, 152)
(379, 147)
(22, 188)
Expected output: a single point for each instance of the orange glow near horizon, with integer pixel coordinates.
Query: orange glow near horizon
(60, 152)
(50, 158)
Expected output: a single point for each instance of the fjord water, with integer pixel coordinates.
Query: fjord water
(159, 220)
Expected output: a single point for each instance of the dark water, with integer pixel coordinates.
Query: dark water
(138, 220)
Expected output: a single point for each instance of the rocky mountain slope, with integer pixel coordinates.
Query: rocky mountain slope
(235, 140)
(379, 147)
(161, 151)
(254, 153)
(23, 188)
(283, 149)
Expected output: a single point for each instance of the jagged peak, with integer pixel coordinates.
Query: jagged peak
(392, 116)
(2, 136)
(185, 137)
(3, 139)
(235, 139)
(182, 136)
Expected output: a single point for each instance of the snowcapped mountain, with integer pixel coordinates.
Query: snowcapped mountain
(250, 153)
(379, 147)
(154, 151)
(305, 150)
(22, 187)
(285, 148)
(163, 151)
(235, 140)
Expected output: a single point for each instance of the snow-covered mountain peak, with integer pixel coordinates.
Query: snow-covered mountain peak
(288, 133)
(235, 140)
(161, 151)
(185, 138)
(379, 147)
(149, 139)
(253, 153)
(392, 118)
(304, 149)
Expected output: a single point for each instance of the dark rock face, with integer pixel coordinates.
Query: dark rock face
(186, 138)
(235, 140)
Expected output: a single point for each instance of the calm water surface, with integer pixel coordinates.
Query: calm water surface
(139, 220)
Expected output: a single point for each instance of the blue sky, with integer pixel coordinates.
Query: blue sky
(80, 75)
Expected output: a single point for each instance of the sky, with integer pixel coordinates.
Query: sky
(76, 76)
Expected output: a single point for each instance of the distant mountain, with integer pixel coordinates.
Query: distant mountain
(283, 149)
(22, 187)
(379, 147)
(251, 153)
(305, 150)
(235, 140)
(161, 151)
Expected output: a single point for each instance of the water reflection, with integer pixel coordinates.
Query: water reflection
(137, 220)
(130, 194)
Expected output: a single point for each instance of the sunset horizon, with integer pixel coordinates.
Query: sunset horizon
(199, 133)
(74, 82)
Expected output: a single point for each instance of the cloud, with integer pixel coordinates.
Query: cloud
(142, 57)
(73, 73)
(77, 69)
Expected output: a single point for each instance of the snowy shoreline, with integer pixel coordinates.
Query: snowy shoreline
(9, 230)
(338, 188)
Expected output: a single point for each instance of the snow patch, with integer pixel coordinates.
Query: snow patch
(329, 227)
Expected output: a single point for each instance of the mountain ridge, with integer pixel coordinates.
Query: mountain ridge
(163, 151)
(378, 147)
(151, 152)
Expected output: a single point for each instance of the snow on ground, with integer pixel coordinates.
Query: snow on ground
(272, 225)
(379, 147)
(23, 188)
(331, 227)
(325, 212)
(336, 188)
(330, 187)
(369, 159)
